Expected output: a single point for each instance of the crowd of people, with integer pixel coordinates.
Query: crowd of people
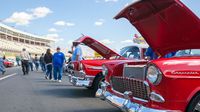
(52, 64)
(47, 62)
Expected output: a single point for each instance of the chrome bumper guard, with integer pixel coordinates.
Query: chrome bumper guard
(124, 103)
(77, 81)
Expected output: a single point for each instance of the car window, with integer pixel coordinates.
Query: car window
(188, 52)
(131, 52)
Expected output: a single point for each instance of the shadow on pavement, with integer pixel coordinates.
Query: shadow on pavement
(69, 92)
(98, 110)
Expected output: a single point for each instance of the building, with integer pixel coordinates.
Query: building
(12, 41)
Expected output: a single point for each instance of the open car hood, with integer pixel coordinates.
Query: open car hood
(166, 25)
(97, 46)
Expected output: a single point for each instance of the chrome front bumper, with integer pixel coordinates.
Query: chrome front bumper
(125, 104)
(77, 81)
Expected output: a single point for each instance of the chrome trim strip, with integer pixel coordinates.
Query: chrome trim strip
(126, 65)
(95, 68)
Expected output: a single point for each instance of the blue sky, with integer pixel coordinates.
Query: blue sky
(66, 20)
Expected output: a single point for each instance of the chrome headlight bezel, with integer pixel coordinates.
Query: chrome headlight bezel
(153, 74)
(104, 70)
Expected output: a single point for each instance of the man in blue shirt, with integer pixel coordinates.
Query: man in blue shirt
(77, 53)
(151, 55)
(58, 62)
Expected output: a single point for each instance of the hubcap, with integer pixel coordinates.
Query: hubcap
(197, 107)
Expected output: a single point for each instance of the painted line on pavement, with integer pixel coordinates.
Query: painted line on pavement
(2, 78)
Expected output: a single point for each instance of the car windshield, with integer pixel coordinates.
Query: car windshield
(188, 52)
(131, 52)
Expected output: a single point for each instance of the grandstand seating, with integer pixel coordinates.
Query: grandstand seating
(6, 45)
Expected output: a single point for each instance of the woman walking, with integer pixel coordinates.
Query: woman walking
(48, 62)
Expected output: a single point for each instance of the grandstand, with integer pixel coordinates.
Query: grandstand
(12, 41)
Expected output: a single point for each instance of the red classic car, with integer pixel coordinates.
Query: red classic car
(8, 63)
(164, 84)
(88, 73)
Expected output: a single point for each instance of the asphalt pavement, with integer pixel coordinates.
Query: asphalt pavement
(33, 93)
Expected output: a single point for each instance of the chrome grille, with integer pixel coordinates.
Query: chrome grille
(133, 71)
(137, 87)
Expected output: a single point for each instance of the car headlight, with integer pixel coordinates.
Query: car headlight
(104, 70)
(154, 75)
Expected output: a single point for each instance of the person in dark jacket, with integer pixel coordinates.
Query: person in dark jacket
(48, 62)
(42, 63)
(30, 63)
(36, 62)
(58, 62)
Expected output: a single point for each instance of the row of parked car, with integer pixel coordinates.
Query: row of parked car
(139, 85)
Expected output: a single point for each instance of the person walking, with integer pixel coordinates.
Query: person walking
(70, 57)
(17, 60)
(77, 52)
(2, 67)
(30, 62)
(25, 61)
(36, 62)
(42, 63)
(48, 61)
(58, 61)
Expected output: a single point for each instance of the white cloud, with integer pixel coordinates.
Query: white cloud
(127, 41)
(54, 36)
(100, 22)
(69, 42)
(24, 18)
(106, 41)
(63, 23)
(70, 24)
(41, 12)
(52, 30)
(60, 23)
(111, 0)
(20, 18)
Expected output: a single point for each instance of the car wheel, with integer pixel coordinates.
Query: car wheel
(97, 83)
(194, 105)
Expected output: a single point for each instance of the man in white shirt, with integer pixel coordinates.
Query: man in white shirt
(25, 57)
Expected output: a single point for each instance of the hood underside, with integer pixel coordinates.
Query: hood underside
(97, 46)
(166, 25)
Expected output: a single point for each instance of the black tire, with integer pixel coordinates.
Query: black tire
(193, 104)
(97, 83)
